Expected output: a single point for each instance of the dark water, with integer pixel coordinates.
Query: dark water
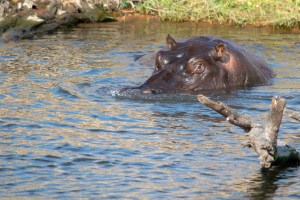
(64, 135)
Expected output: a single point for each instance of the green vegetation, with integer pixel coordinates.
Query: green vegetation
(278, 13)
(16, 22)
(96, 15)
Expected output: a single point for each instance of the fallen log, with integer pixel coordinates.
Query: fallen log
(263, 139)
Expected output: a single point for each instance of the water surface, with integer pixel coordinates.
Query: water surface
(64, 135)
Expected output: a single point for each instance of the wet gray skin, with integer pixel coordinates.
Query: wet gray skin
(203, 63)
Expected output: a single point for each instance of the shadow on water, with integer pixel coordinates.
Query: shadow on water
(266, 183)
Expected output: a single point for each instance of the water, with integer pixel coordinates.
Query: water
(64, 135)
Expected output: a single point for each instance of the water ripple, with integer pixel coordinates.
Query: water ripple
(66, 130)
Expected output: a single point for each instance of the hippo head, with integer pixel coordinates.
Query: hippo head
(203, 63)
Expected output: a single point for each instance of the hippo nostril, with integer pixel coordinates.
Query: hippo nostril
(149, 91)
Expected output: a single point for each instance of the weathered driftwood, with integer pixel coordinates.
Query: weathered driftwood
(263, 139)
(292, 114)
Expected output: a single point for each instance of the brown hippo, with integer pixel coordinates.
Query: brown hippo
(203, 63)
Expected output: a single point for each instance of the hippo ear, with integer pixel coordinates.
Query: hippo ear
(220, 48)
(170, 42)
(221, 54)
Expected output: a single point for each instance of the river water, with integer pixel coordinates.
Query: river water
(65, 134)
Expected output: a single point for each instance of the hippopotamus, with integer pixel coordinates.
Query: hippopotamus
(203, 63)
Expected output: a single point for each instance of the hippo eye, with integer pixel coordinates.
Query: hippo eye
(198, 68)
(195, 66)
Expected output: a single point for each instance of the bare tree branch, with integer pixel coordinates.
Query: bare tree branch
(231, 115)
(292, 114)
(262, 139)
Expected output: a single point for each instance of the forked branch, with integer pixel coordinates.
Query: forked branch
(262, 139)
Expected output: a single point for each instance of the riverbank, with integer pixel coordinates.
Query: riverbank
(23, 19)
(283, 14)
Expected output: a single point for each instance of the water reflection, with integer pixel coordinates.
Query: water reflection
(63, 134)
(267, 184)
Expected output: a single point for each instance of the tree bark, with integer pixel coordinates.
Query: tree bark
(262, 139)
(231, 115)
(292, 114)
